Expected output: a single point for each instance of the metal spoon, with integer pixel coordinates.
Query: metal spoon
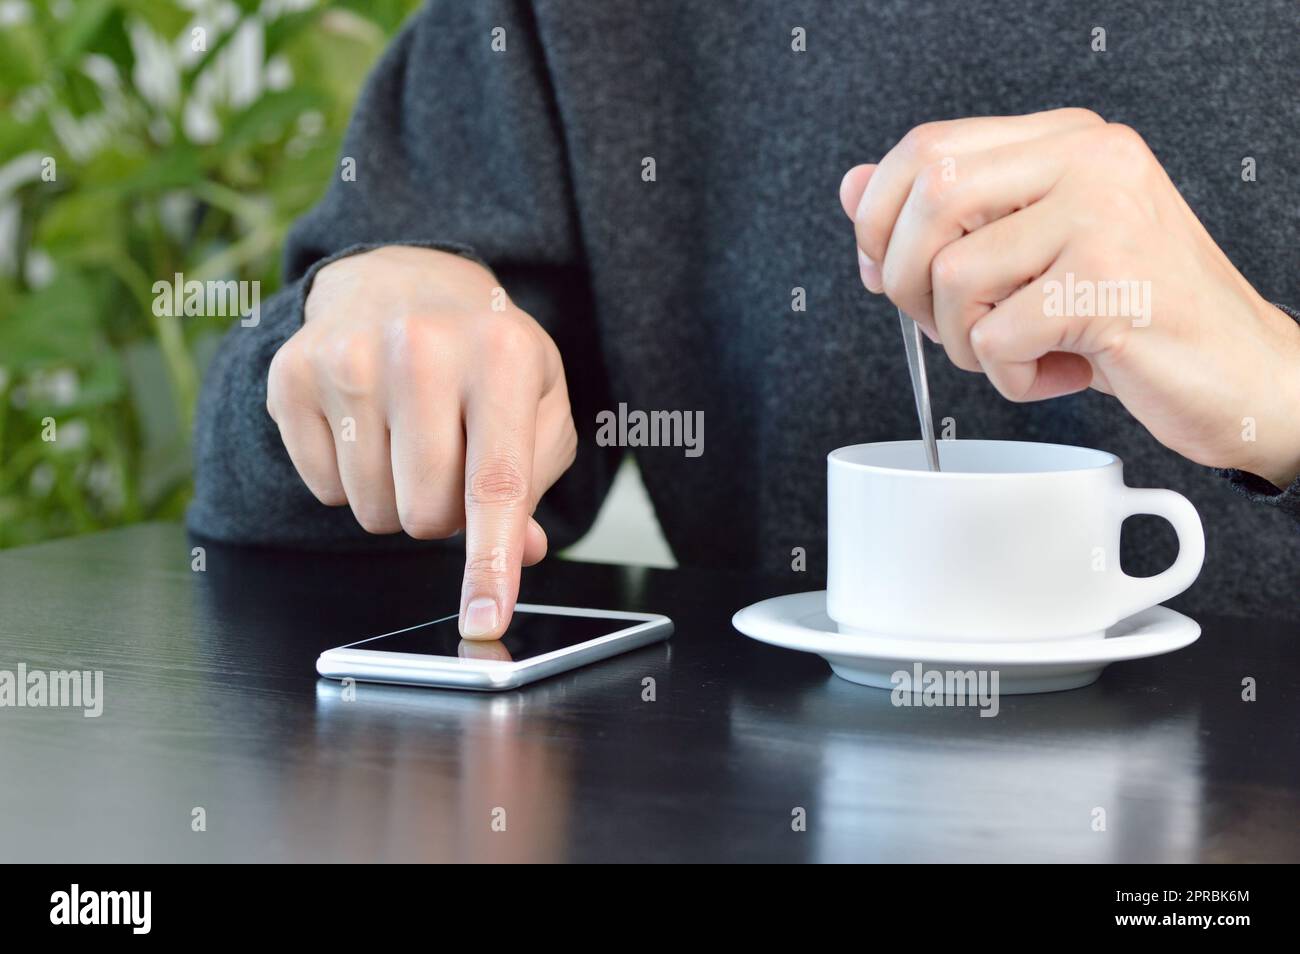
(920, 386)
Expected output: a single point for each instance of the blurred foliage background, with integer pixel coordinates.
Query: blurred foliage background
(138, 139)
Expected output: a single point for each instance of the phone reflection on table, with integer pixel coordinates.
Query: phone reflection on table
(447, 774)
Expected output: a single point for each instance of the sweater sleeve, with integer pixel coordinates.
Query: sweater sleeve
(456, 145)
(1257, 488)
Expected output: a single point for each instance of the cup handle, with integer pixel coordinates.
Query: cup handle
(1142, 592)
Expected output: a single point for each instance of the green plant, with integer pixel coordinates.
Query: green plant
(139, 139)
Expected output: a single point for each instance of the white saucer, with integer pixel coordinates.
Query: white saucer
(799, 622)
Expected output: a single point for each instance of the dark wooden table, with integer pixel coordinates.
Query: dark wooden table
(212, 702)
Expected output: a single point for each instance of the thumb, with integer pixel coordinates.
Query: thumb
(535, 543)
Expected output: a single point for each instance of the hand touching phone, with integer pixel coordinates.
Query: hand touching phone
(418, 395)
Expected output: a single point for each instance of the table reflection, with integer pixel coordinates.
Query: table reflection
(1063, 755)
(443, 773)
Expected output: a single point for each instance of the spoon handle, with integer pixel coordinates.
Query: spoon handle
(920, 386)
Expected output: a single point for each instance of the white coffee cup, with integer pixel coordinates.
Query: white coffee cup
(1008, 541)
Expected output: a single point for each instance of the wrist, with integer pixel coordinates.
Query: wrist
(397, 278)
(1273, 452)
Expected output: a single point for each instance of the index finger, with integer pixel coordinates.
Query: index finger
(500, 425)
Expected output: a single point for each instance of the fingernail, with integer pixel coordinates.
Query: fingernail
(870, 273)
(480, 617)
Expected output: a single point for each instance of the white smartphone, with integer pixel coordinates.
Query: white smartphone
(540, 641)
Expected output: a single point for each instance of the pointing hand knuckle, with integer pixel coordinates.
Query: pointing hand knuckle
(285, 379)
(426, 523)
(326, 493)
(498, 480)
(347, 362)
(508, 339)
(486, 567)
(374, 519)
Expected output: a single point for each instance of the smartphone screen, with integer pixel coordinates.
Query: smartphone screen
(529, 634)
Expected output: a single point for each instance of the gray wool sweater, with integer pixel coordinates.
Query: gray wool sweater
(677, 293)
